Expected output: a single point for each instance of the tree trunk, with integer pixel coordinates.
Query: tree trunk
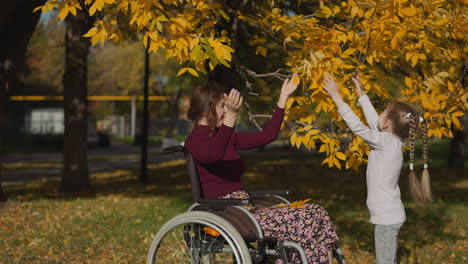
(17, 23)
(174, 112)
(457, 145)
(75, 175)
(144, 130)
(3, 124)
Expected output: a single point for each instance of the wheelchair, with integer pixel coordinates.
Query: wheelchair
(222, 230)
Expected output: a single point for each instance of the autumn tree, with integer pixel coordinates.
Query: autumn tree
(75, 159)
(17, 23)
(423, 41)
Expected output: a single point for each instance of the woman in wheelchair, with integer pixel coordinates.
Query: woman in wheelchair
(213, 145)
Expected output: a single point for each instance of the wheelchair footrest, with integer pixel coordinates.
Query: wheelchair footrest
(283, 253)
(338, 254)
(270, 242)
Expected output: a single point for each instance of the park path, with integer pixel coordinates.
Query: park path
(118, 156)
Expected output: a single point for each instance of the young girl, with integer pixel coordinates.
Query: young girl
(384, 135)
(214, 145)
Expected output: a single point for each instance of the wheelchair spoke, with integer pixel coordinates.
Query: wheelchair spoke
(197, 242)
(178, 242)
(173, 250)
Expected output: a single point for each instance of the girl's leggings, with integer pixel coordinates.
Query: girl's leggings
(386, 243)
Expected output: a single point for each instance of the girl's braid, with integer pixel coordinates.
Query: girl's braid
(425, 179)
(414, 185)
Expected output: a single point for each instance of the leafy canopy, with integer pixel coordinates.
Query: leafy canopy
(424, 41)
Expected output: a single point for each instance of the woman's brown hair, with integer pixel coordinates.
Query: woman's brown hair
(204, 100)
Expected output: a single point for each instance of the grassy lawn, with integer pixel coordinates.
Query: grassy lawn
(116, 221)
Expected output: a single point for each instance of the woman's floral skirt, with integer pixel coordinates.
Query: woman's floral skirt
(310, 227)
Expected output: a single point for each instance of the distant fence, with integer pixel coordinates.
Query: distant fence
(106, 98)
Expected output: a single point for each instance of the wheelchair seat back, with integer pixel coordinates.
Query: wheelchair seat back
(197, 193)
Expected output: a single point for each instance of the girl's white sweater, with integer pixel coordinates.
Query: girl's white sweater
(384, 165)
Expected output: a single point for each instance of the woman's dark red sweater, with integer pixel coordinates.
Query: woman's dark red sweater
(218, 164)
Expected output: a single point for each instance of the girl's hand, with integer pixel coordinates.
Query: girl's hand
(287, 89)
(233, 101)
(331, 87)
(357, 84)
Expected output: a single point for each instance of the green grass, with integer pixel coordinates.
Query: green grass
(116, 220)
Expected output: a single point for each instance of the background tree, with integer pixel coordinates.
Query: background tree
(45, 55)
(424, 42)
(17, 23)
(75, 159)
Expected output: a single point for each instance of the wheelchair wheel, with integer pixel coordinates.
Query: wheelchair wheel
(198, 237)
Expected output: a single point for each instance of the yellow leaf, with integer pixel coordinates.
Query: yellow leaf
(63, 12)
(450, 86)
(192, 71)
(323, 148)
(37, 8)
(90, 33)
(182, 71)
(313, 132)
(340, 155)
(354, 11)
(408, 56)
(325, 11)
(360, 13)
(443, 74)
(336, 10)
(319, 55)
(299, 204)
(261, 50)
(296, 80)
(337, 163)
(409, 11)
(324, 161)
(438, 80)
(92, 10)
(348, 52)
(394, 43)
(293, 139)
(369, 13)
(94, 39)
(408, 82)
(414, 60)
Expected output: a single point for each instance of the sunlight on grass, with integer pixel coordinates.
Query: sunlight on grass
(116, 220)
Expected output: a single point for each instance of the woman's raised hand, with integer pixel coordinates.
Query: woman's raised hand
(289, 86)
(357, 84)
(233, 101)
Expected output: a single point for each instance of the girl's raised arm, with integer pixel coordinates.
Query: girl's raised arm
(369, 111)
(372, 137)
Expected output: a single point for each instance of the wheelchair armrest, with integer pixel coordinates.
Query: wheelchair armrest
(173, 149)
(268, 192)
(215, 201)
